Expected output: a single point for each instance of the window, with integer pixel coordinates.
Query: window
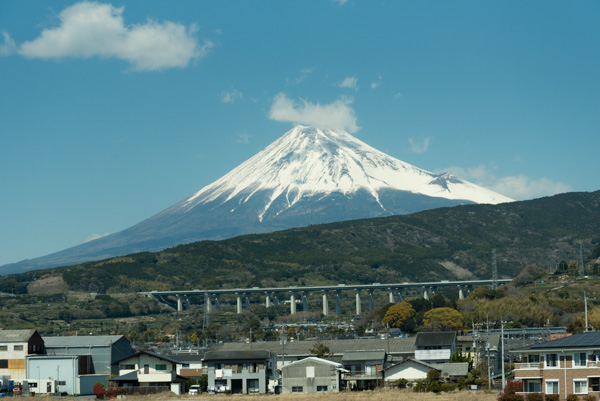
(127, 367)
(297, 389)
(552, 361)
(595, 383)
(32, 385)
(62, 383)
(551, 387)
(321, 389)
(3, 363)
(580, 359)
(161, 366)
(533, 386)
(18, 348)
(580, 386)
(310, 371)
(533, 358)
(3, 347)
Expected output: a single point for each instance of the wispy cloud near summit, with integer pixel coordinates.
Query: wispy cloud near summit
(337, 115)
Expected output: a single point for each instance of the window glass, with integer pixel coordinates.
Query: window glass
(579, 359)
(552, 387)
(161, 366)
(552, 360)
(18, 348)
(580, 386)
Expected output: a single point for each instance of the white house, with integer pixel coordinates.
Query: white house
(312, 375)
(15, 345)
(409, 369)
(147, 369)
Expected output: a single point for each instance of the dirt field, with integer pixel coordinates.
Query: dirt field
(378, 395)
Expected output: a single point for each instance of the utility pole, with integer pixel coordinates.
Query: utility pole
(502, 322)
(585, 299)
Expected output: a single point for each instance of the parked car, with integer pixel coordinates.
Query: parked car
(194, 389)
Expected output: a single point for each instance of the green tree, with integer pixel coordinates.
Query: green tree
(443, 319)
(398, 314)
(320, 350)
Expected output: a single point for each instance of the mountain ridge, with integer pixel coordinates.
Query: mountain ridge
(307, 176)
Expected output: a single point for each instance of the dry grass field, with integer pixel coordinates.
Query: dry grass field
(378, 395)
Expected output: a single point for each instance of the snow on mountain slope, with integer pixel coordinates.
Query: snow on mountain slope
(308, 176)
(308, 161)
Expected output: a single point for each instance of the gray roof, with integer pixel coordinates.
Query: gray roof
(80, 341)
(236, 355)
(576, 341)
(14, 336)
(374, 355)
(336, 347)
(455, 369)
(138, 353)
(435, 338)
(413, 360)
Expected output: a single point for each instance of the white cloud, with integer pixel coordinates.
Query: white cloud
(95, 236)
(90, 29)
(243, 138)
(520, 187)
(8, 47)
(397, 95)
(340, 2)
(337, 115)
(349, 83)
(416, 147)
(376, 84)
(304, 73)
(231, 96)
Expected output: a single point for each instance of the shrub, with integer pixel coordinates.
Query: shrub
(589, 397)
(401, 383)
(552, 397)
(510, 397)
(572, 397)
(98, 390)
(535, 397)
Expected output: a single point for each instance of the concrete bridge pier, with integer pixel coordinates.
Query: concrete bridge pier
(461, 294)
(292, 303)
(238, 303)
(426, 293)
(267, 300)
(391, 297)
(358, 302)
(217, 302)
(208, 306)
(325, 302)
(338, 305)
(179, 303)
(371, 303)
(305, 301)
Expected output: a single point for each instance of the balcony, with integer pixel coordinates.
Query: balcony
(528, 365)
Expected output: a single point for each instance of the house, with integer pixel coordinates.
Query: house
(413, 370)
(569, 365)
(364, 368)
(189, 365)
(435, 347)
(240, 372)
(395, 348)
(145, 371)
(70, 374)
(410, 369)
(15, 345)
(103, 350)
(312, 375)
(480, 347)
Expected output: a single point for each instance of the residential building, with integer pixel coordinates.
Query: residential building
(482, 347)
(312, 375)
(145, 369)
(240, 372)
(15, 345)
(435, 347)
(104, 350)
(364, 368)
(413, 370)
(70, 374)
(569, 365)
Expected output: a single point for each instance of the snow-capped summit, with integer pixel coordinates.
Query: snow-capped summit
(307, 161)
(308, 176)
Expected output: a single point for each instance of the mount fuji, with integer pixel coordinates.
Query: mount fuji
(308, 176)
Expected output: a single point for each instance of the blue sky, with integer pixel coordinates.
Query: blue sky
(112, 111)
